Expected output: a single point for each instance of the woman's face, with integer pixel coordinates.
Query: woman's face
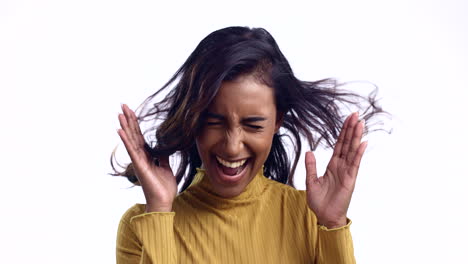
(237, 134)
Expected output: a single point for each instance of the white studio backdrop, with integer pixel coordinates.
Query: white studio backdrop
(66, 66)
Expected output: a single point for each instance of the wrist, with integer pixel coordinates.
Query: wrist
(152, 208)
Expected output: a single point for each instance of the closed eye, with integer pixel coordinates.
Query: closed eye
(250, 121)
(220, 123)
(255, 127)
(213, 119)
(213, 123)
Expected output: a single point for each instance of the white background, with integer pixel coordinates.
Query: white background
(65, 67)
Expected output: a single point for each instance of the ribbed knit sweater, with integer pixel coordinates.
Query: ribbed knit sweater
(269, 222)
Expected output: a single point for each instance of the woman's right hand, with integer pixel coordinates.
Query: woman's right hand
(158, 182)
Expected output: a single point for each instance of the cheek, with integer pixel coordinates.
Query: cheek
(205, 141)
(261, 146)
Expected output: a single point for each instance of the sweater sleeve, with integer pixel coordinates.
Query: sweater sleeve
(335, 245)
(146, 238)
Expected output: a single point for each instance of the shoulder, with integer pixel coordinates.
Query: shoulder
(136, 209)
(287, 193)
(292, 202)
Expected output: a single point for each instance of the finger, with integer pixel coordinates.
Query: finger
(139, 135)
(348, 135)
(357, 158)
(128, 133)
(134, 128)
(355, 141)
(311, 169)
(128, 145)
(134, 149)
(125, 127)
(339, 143)
(130, 126)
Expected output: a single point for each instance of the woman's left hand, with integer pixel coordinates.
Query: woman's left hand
(329, 196)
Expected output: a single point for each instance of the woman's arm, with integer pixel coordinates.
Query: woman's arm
(335, 245)
(149, 235)
(329, 196)
(157, 180)
(146, 238)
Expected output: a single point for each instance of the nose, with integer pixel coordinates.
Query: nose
(233, 143)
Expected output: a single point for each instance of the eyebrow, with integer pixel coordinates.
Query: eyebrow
(247, 119)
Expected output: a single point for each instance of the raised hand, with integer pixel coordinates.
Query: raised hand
(158, 182)
(329, 196)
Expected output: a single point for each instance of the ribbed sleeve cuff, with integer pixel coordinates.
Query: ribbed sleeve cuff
(348, 223)
(336, 244)
(155, 230)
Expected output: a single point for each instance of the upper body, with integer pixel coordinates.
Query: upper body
(269, 222)
(235, 100)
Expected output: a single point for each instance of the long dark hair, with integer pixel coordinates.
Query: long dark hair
(310, 110)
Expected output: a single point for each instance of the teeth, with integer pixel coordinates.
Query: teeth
(231, 164)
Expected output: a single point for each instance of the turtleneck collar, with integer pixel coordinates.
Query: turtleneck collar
(201, 187)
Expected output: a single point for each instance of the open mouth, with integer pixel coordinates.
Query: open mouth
(231, 169)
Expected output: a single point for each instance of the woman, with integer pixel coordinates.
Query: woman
(234, 101)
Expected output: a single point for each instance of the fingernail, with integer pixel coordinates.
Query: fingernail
(363, 121)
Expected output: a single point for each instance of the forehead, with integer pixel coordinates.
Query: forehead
(244, 95)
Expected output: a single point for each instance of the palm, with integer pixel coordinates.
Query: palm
(329, 196)
(157, 181)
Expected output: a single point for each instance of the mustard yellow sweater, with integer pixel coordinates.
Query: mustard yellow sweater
(269, 222)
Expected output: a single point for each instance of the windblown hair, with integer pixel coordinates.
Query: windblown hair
(310, 110)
